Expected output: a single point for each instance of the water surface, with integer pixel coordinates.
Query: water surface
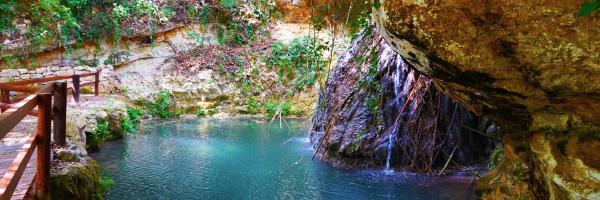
(248, 159)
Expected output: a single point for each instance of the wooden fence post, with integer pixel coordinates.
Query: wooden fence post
(59, 113)
(5, 98)
(42, 177)
(97, 82)
(76, 82)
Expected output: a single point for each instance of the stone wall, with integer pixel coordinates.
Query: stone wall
(106, 74)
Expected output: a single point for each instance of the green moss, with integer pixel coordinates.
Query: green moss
(105, 184)
(496, 156)
(79, 180)
(553, 122)
(96, 138)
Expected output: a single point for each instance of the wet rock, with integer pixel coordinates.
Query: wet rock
(367, 112)
(529, 65)
(75, 180)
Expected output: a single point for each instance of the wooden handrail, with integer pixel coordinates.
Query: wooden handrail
(13, 116)
(21, 86)
(6, 106)
(11, 178)
(43, 100)
(17, 88)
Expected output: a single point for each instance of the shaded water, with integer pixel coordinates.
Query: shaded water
(248, 159)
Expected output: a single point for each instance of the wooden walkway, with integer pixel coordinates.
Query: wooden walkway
(7, 155)
(20, 170)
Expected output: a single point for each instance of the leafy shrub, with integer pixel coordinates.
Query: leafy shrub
(228, 4)
(201, 112)
(588, 7)
(127, 125)
(135, 114)
(105, 183)
(278, 107)
(131, 121)
(496, 156)
(96, 138)
(300, 63)
(7, 12)
(253, 106)
(162, 106)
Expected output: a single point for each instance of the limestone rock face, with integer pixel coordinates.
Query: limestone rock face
(531, 65)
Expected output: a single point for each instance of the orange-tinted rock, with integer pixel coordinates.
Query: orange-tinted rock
(534, 66)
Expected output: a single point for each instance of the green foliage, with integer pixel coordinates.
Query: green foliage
(274, 107)
(12, 60)
(162, 107)
(362, 22)
(127, 125)
(130, 122)
(96, 138)
(105, 183)
(496, 156)
(135, 114)
(253, 106)
(300, 63)
(197, 38)
(517, 170)
(7, 13)
(201, 112)
(372, 103)
(228, 4)
(370, 83)
(588, 7)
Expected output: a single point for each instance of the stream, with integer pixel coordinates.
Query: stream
(247, 158)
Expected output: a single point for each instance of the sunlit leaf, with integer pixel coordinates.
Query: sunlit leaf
(588, 7)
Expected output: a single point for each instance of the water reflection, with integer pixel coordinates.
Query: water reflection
(248, 159)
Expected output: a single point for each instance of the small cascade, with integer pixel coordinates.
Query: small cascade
(388, 167)
(398, 83)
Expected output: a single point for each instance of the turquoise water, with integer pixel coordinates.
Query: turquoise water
(248, 159)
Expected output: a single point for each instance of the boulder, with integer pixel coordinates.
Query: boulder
(532, 66)
(76, 180)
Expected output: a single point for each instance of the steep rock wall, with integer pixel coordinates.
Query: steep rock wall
(375, 109)
(531, 65)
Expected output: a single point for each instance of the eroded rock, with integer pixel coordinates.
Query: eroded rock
(532, 66)
(375, 105)
(75, 180)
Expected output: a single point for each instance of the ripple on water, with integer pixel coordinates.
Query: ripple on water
(244, 159)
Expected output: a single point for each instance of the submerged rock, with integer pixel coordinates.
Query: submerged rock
(532, 66)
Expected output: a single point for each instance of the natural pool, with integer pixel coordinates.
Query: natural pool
(246, 158)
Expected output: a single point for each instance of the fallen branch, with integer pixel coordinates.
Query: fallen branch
(448, 161)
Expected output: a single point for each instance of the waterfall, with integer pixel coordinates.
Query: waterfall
(388, 168)
(398, 89)
(398, 85)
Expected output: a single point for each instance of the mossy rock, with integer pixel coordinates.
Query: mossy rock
(77, 181)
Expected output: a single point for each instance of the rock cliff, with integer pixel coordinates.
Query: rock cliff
(377, 111)
(531, 65)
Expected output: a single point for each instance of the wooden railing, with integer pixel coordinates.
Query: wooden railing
(51, 102)
(22, 86)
